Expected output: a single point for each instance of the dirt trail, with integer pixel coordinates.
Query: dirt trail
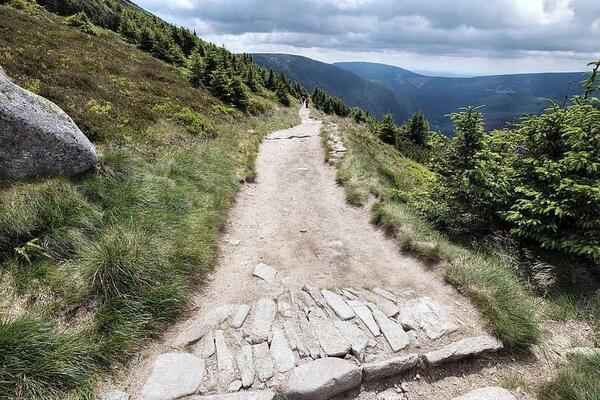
(295, 219)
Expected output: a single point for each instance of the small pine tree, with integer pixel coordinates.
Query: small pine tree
(196, 67)
(147, 39)
(387, 130)
(418, 129)
(239, 94)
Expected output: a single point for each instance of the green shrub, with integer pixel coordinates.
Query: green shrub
(81, 21)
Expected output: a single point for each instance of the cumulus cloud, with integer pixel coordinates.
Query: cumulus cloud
(568, 30)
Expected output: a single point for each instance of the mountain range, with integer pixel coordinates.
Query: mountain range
(382, 89)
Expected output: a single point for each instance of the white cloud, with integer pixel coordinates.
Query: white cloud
(464, 35)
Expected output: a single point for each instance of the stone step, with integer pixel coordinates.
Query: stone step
(225, 361)
(339, 306)
(391, 367)
(245, 363)
(262, 320)
(263, 363)
(174, 375)
(393, 332)
(282, 354)
(464, 348)
(389, 308)
(205, 346)
(322, 379)
(364, 313)
(422, 313)
(355, 336)
(331, 341)
(239, 316)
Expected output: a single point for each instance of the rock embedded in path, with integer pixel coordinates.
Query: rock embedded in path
(339, 306)
(309, 339)
(281, 352)
(393, 333)
(225, 361)
(240, 315)
(353, 334)
(385, 294)
(263, 362)
(262, 321)
(322, 379)
(389, 308)
(294, 337)
(390, 367)
(37, 138)
(265, 272)
(262, 395)
(206, 346)
(464, 348)
(331, 341)
(365, 315)
(245, 362)
(203, 324)
(488, 393)
(174, 375)
(114, 395)
(315, 294)
(423, 313)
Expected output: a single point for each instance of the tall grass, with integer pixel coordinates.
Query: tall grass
(578, 380)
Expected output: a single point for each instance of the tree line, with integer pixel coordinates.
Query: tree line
(230, 77)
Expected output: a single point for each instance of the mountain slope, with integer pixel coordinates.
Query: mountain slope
(95, 266)
(505, 97)
(354, 90)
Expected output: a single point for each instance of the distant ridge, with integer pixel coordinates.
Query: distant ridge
(353, 89)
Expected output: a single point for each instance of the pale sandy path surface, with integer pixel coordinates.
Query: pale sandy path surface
(295, 219)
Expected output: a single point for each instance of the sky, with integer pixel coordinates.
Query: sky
(463, 37)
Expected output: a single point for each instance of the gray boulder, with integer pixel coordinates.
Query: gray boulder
(37, 138)
(322, 379)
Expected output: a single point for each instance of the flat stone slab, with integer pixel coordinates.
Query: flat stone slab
(353, 334)
(488, 393)
(282, 354)
(364, 313)
(262, 395)
(464, 348)
(225, 361)
(322, 379)
(114, 395)
(332, 342)
(206, 346)
(339, 306)
(385, 294)
(390, 367)
(389, 308)
(201, 326)
(393, 333)
(239, 317)
(309, 338)
(315, 294)
(262, 321)
(263, 363)
(295, 340)
(265, 272)
(423, 313)
(174, 375)
(245, 363)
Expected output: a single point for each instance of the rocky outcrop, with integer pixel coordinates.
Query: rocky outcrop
(37, 138)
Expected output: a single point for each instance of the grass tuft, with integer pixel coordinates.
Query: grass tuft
(578, 380)
(39, 362)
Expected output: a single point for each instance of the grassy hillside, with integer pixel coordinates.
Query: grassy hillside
(92, 267)
(351, 88)
(505, 97)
